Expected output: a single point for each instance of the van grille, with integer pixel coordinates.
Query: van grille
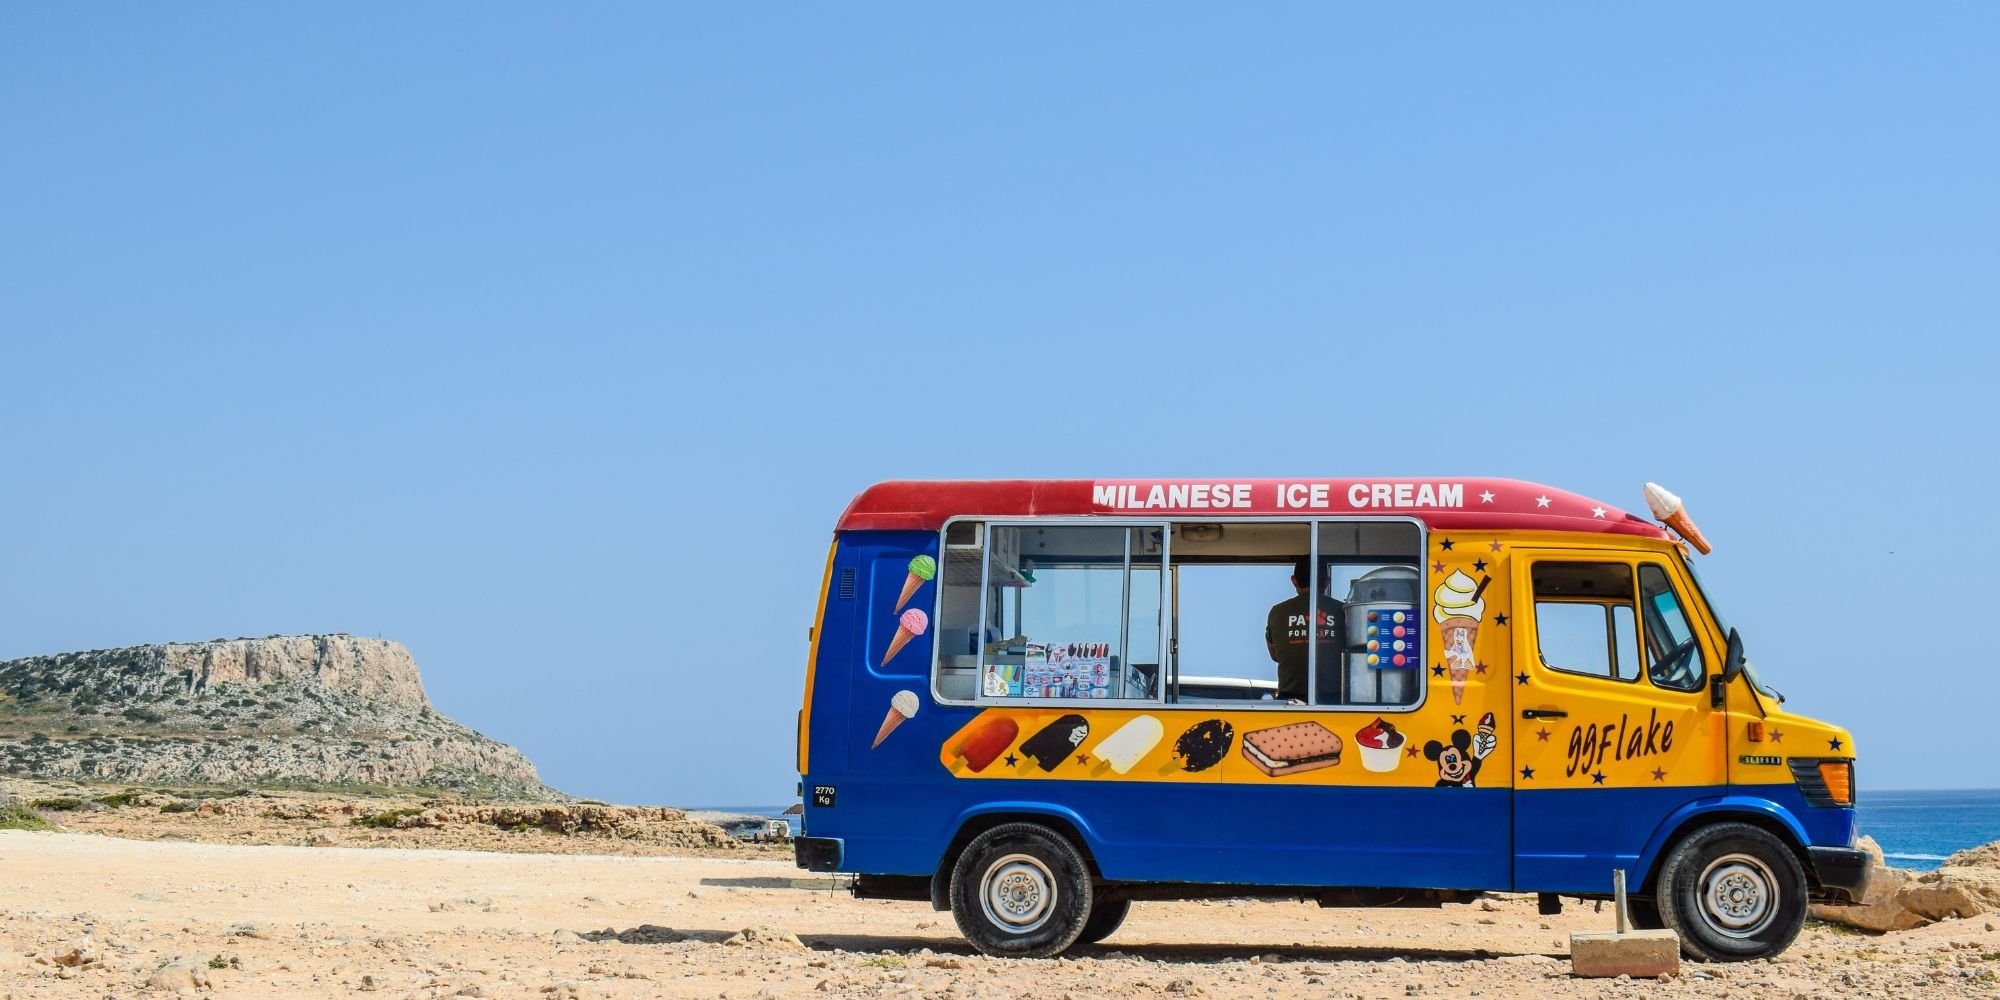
(847, 584)
(1805, 771)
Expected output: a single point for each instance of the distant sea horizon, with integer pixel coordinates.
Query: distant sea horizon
(1917, 828)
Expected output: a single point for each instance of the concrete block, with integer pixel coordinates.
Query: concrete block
(1639, 954)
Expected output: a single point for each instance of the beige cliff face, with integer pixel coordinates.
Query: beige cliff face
(376, 669)
(336, 710)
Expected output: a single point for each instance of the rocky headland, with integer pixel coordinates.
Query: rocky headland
(315, 712)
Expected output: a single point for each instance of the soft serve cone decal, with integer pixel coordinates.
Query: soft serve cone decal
(1458, 606)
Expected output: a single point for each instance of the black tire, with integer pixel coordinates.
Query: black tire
(1645, 913)
(1021, 891)
(1105, 916)
(1733, 892)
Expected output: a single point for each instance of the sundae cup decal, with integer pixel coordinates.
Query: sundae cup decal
(1381, 746)
(1458, 606)
(1056, 741)
(902, 706)
(1204, 745)
(979, 748)
(1122, 750)
(922, 570)
(912, 624)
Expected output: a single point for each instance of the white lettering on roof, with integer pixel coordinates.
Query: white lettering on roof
(1185, 496)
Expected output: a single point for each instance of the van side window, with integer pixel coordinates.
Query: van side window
(1585, 619)
(957, 628)
(1071, 612)
(1673, 657)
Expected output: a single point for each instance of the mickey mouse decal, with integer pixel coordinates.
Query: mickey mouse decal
(1458, 764)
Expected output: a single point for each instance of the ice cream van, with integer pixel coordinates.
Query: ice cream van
(1036, 703)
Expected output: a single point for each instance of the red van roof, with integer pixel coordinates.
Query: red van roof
(1441, 503)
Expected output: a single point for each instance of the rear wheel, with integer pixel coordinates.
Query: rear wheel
(1733, 892)
(1105, 916)
(1021, 891)
(1645, 913)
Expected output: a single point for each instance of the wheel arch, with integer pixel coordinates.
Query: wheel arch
(984, 817)
(1762, 813)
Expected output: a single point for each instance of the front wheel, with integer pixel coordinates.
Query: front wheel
(1021, 891)
(1105, 917)
(1733, 892)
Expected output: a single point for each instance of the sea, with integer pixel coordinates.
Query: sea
(1917, 830)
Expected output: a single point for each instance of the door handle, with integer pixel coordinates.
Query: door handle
(1544, 713)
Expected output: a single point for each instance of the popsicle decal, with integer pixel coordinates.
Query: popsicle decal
(922, 570)
(1122, 750)
(902, 706)
(1052, 746)
(909, 626)
(985, 743)
(1204, 744)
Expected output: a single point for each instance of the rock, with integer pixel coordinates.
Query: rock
(766, 937)
(1873, 849)
(178, 976)
(369, 984)
(324, 838)
(1939, 900)
(1878, 911)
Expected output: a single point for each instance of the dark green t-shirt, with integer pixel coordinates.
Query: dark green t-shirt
(1285, 632)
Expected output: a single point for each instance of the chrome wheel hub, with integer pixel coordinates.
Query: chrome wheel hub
(1738, 895)
(1018, 893)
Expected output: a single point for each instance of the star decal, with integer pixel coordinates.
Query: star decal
(1495, 546)
(1410, 750)
(1521, 678)
(1012, 760)
(1445, 545)
(1542, 501)
(1527, 772)
(1479, 668)
(1659, 775)
(1083, 758)
(1485, 496)
(1479, 565)
(1596, 512)
(1499, 619)
(1833, 744)
(1597, 779)
(1437, 670)
(1437, 567)
(1777, 736)
(1542, 735)
(1458, 720)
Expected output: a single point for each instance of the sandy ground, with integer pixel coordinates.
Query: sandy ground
(276, 921)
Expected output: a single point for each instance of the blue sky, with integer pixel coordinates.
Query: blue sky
(550, 341)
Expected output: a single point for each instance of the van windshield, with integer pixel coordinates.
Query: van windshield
(1749, 672)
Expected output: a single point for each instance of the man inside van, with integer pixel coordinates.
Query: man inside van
(1286, 629)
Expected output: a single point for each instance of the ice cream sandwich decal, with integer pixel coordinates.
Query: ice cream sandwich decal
(1292, 749)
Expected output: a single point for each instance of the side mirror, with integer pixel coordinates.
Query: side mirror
(1732, 660)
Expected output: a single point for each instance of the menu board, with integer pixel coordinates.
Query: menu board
(1067, 670)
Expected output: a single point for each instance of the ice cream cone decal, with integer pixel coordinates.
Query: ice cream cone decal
(901, 707)
(1669, 509)
(1459, 605)
(912, 624)
(922, 570)
(1486, 738)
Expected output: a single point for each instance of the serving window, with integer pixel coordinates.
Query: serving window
(1254, 613)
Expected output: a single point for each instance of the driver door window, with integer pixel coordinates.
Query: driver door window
(1673, 657)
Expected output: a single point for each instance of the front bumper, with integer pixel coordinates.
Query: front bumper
(1842, 873)
(817, 854)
